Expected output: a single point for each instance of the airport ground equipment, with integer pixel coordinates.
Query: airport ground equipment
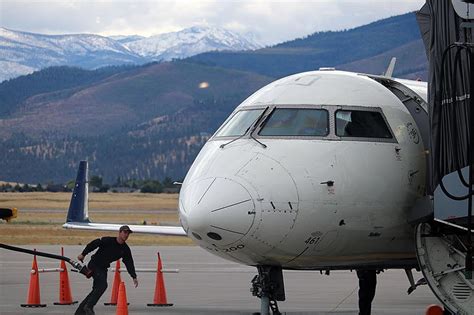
(115, 285)
(77, 265)
(65, 296)
(434, 309)
(34, 296)
(8, 214)
(159, 298)
(122, 304)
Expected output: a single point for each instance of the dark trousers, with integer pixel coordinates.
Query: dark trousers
(98, 288)
(367, 285)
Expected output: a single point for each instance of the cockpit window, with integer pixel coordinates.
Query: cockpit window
(362, 124)
(296, 122)
(239, 123)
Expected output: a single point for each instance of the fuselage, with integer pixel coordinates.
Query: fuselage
(318, 170)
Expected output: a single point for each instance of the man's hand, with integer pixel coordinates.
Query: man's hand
(135, 282)
(80, 258)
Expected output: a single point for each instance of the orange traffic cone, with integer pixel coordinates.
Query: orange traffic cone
(34, 289)
(115, 285)
(122, 305)
(160, 291)
(65, 297)
(434, 309)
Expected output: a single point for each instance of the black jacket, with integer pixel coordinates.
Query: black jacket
(109, 250)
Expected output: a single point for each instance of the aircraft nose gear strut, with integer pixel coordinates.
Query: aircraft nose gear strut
(268, 286)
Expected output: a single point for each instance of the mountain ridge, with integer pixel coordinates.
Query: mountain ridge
(323, 49)
(24, 52)
(170, 45)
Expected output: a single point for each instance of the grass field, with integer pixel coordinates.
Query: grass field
(40, 216)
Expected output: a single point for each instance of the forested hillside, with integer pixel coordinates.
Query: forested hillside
(16, 91)
(148, 122)
(325, 49)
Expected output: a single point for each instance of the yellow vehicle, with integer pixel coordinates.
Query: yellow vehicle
(8, 213)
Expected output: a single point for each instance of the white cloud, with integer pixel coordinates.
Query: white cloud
(270, 21)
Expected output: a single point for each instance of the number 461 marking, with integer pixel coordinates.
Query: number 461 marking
(312, 240)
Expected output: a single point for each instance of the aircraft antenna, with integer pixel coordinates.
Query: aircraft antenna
(389, 72)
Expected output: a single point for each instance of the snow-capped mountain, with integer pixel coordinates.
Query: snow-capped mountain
(22, 53)
(189, 42)
(126, 38)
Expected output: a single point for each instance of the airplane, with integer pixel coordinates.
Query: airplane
(321, 170)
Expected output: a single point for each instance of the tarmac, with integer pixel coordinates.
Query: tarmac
(206, 284)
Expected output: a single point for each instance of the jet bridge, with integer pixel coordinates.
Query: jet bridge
(444, 245)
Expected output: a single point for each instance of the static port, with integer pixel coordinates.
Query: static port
(214, 236)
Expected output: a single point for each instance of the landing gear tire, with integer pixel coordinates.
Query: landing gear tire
(268, 286)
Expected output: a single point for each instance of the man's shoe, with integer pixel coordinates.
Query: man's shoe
(88, 310)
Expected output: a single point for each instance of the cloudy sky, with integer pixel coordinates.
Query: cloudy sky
(270, 21)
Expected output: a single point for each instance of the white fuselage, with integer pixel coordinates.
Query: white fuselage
(309, 202)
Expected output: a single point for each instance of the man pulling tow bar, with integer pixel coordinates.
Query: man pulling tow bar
(109, 250)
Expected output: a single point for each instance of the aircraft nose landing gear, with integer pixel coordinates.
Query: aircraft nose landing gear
(268, 286)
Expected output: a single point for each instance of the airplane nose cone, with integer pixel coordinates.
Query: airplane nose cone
(218, 210)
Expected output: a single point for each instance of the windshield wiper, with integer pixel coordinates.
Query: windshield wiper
(247, 130)
(239, 137)
(264, 120)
